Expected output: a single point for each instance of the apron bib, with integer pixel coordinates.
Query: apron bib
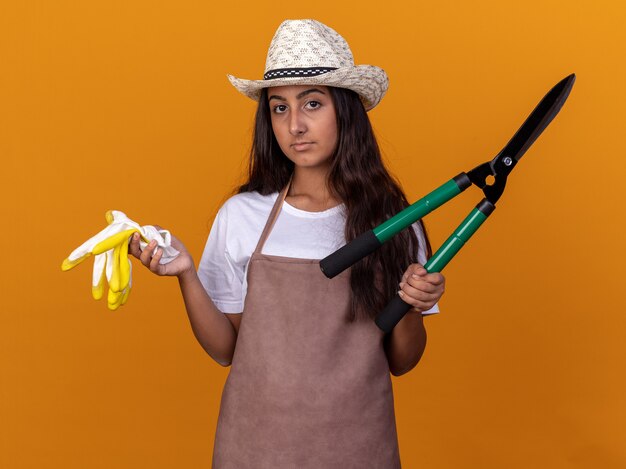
(307, 388)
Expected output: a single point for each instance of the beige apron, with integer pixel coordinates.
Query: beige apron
(307, 388)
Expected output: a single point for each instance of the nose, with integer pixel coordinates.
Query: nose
(297, 124)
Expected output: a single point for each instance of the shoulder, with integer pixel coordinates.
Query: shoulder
(237, 227)
(249, 201)
(246, 205)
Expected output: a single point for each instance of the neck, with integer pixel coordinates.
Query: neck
(309, 190)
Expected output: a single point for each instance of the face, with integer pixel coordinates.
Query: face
(304, 123)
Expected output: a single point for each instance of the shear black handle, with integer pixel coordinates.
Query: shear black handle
(391, 315)
(349, 254)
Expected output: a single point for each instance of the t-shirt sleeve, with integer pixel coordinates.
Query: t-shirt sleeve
(421, 258)
(221, 275)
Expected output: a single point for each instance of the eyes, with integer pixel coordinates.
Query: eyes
(313, 104)
(310, 105)
(279, 109)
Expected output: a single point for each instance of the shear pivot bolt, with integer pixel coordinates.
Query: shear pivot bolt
(508, 161)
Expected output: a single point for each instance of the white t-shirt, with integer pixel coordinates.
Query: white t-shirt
(297, 233)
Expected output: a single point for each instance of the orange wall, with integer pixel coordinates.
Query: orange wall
(125, 105)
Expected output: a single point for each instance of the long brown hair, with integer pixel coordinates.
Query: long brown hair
(360, 180)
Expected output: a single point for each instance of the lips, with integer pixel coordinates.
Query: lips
(301, 146)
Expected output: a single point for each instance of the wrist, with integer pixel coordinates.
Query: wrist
(188, 275)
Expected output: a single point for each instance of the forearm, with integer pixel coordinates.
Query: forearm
(211, 327)
(405, 344)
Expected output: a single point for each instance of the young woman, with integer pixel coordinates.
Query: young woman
(309, 384)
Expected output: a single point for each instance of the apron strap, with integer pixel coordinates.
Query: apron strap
(272, 217)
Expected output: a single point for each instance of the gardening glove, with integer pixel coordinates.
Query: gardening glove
(111, 262)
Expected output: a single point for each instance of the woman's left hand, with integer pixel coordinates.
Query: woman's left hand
(421, 289)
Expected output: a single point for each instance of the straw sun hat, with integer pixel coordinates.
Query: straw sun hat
(307, 52)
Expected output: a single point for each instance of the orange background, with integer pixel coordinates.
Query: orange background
(125, 105)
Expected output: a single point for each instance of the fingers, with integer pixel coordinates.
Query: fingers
(133, 247)
(154, 262)
(435, 278)
(150, 257)
(422, 292)
(419, 304)
(421, 289)
(414, 269)
(146, 254)
(417, 272)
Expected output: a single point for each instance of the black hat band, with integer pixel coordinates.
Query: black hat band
(297, 72)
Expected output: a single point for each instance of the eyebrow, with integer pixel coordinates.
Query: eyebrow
(300, 95)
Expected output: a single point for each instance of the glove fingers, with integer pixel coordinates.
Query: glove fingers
(113, 241)
(97, 283)
(114, 283)
(68, 264)
(111, 262)
(109, 266)
(117, 217)
(124, 277)
(114, 299)
(97, 291)
(125, 295)
(87, 247)
(99, 263)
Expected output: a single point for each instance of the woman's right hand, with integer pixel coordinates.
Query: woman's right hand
(151, 255)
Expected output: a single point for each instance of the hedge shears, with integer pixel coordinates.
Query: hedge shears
(490, 177)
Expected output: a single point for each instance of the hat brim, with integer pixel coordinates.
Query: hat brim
(369, 81)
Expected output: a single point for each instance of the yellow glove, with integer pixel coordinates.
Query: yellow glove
(111, 262)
